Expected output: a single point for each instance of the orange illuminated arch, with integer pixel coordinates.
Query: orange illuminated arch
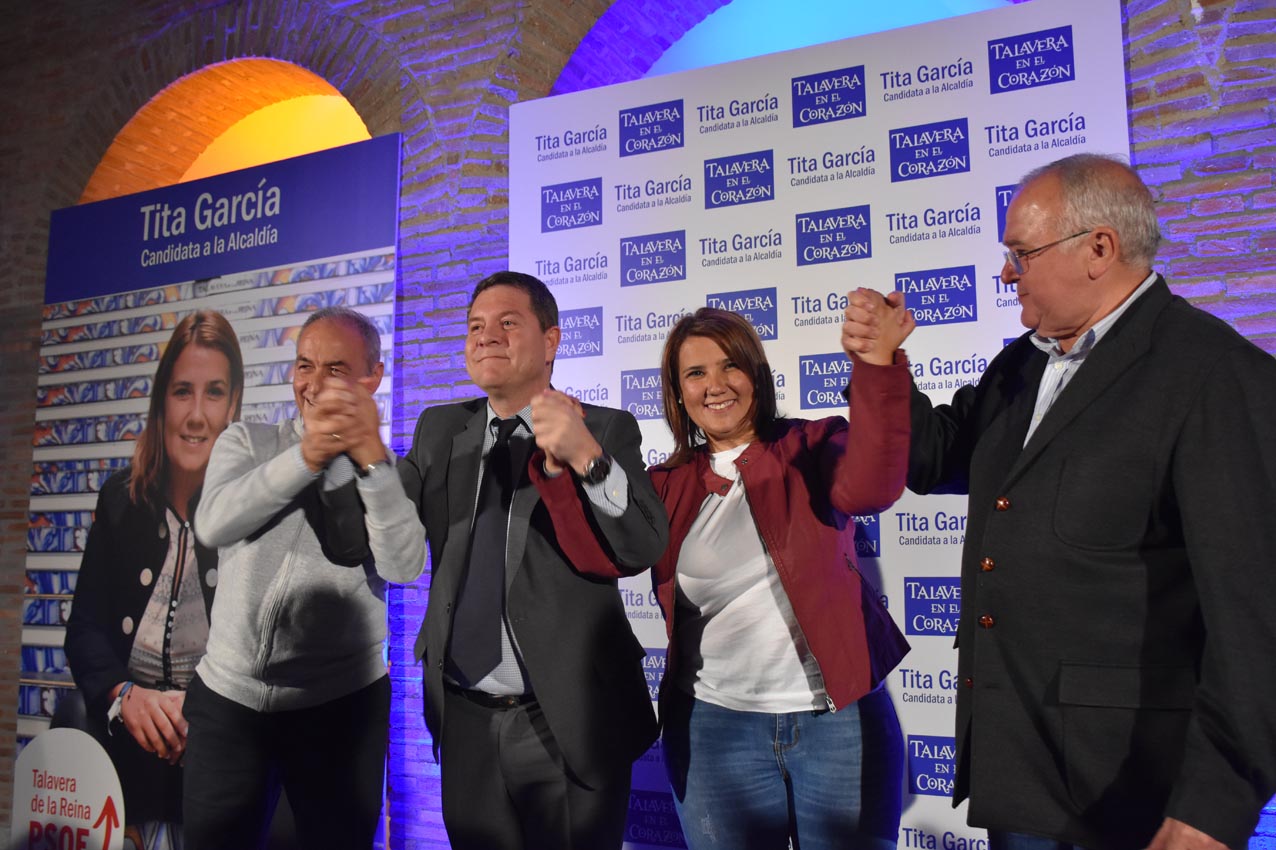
(221, 118)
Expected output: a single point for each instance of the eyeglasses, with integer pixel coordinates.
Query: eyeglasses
(1019, 259)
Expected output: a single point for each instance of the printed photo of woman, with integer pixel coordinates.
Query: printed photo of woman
(139, 618)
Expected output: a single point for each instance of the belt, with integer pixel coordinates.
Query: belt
(492, 700)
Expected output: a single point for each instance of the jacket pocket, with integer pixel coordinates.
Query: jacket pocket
(1118, 518)
(1123, 732)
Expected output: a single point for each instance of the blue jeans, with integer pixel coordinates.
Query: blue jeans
(746, 780)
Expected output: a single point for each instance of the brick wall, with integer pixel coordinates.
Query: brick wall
(1202, 84)
(1201, 87)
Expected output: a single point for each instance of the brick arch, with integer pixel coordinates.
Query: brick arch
(358, 62)
(210, 101)
(628, 39)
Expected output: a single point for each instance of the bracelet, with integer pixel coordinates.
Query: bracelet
(117, 707)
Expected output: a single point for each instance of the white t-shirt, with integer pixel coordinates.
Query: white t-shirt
(739, 644)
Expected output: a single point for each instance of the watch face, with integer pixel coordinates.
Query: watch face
(597, 470)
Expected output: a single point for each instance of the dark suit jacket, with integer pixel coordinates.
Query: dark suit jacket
(584, 663)
(1118, 584)
(125, 553)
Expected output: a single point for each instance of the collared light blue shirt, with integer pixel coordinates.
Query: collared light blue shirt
(1061, 366)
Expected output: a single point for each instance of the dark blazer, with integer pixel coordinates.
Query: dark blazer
(124, 555)
(583, 661)
(1117, 582)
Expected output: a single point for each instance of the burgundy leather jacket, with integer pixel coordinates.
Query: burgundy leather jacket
(805, 482)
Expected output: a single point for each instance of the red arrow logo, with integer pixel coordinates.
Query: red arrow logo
(112, 821)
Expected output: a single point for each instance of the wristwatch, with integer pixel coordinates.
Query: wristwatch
(597, 470)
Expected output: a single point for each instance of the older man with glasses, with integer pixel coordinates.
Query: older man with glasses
(1117, 583)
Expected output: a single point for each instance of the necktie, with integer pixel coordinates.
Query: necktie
(475, 648)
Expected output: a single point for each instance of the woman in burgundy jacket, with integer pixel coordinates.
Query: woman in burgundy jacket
(776, 726)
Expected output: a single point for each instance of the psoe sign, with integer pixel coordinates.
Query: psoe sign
(66, 795)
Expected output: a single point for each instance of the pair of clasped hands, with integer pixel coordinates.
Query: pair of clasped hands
(341, 417)
(874, 325)
(154, 719)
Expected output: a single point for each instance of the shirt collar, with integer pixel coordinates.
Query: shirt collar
(525, 415)
(1091, 337)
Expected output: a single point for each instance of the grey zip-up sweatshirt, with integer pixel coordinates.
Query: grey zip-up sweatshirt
(290, 628)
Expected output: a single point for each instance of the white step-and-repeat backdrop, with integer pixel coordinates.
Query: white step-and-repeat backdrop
(771, 187)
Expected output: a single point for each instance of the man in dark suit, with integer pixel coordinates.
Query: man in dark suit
(534, 688)
(1114, 648)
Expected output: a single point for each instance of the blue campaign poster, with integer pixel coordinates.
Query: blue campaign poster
(263, 247)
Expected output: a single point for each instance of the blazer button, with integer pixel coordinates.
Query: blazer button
(1001, 503)
(439, 664)
(968, 682)
(987, 621)
(987, 565)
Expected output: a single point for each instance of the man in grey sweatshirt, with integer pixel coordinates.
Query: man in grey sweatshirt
(293, 690)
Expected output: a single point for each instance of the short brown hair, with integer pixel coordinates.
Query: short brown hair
(207, 329)
(739, 341)
(544, 305)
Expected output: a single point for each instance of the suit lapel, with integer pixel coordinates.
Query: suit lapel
(1127, 341)
(462, 489)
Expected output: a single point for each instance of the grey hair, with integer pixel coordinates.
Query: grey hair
(1101, 190)
(354, 319)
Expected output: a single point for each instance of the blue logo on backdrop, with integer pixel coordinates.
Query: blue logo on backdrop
(565, 206)
(653, 820)
(1004, 195)
(582, 332)
(932, 606)
(756, 305)
(940, 296)
(831, 236)
(651, 128)
(930, 150)
(822, 379)
(1029, 60)
(868, 536)
(932, 765)
(653, 258)
(828, 96)
(653, 669)
(745, 178)
(640, 393)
